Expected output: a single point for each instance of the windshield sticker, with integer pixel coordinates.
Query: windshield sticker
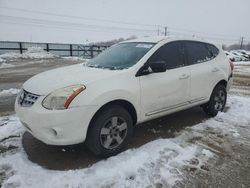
(144, 45)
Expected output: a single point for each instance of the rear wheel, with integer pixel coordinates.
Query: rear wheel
(110, 131)
(217, 101)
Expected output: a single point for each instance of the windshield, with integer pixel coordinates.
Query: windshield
(121, 56)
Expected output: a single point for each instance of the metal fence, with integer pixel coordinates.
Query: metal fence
(85, 51)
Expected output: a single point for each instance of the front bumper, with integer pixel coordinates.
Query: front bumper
(56, 127)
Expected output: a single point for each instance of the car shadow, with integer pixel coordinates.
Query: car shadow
(78, 156)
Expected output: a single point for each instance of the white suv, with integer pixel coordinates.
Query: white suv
(129, 83)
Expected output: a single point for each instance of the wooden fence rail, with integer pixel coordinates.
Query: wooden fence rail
(85, 51)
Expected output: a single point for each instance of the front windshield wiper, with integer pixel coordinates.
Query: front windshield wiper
(114, 68)
(93, 66)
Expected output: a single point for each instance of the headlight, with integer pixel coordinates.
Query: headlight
(60, 99)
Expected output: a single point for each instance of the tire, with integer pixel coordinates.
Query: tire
(110, 131)
(217, 101)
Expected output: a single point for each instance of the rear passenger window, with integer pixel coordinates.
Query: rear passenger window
(213, 50)
(198, 52)
(172, 53)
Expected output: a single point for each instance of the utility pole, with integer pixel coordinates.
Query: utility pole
(241, 42)
(166, 31)
(158, 30)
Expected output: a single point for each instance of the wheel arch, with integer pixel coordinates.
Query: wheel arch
(221, 82)
(121, 102)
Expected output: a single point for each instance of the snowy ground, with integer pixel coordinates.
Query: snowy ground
(162, 162)
(241, 84)
(241, 63)
(11, 91)
(210, 153)
(33, 55)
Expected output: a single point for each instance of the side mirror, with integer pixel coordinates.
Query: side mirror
(158, 66)
(152, 67)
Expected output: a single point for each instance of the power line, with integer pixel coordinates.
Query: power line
(195, 31)
(94, 27)
(116, 21)
(63, 23)
(65, 28)
(79, 17)
(203, 36)
(62, 27)
(92, 30)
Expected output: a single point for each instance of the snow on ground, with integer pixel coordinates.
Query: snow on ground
(34, 55)
(32, 52)
(242, 63)
(5, 65)
(242, 69)
(160, 162)
(240, 90)
(11, 91)
(2, 60)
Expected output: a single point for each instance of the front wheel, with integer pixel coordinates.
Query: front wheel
(110, 131)
(217, 101)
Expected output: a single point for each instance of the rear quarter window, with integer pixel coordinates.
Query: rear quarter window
(198, 52)
(213, 49)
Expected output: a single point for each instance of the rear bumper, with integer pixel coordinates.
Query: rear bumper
(56, 127)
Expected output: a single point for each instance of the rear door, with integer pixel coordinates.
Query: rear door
(163, 92)
(200, 61)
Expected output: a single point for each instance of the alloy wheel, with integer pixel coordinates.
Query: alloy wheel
(113, 132)
(219, 99)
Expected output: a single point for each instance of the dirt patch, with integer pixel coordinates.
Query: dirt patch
(229, 168)
(241, 82)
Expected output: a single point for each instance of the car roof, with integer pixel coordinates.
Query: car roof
(148, 39)
(157, 39)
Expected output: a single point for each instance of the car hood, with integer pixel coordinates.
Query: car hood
(46, 82)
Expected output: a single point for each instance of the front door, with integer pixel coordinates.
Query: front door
(163, 92)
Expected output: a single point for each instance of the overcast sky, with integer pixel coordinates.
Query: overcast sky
(81, 21)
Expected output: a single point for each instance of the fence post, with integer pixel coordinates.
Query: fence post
(47, 47)
(20, 48)
(91, 51)
(70, 47)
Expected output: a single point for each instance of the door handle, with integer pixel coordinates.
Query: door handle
(215, 69)
(184, 76)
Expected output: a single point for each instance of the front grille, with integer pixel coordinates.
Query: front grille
(27, 99)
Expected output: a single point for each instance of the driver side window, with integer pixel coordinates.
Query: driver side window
(172, 53)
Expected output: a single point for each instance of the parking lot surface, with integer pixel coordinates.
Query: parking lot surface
(229, 166)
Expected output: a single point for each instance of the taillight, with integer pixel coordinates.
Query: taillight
(231, 65)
